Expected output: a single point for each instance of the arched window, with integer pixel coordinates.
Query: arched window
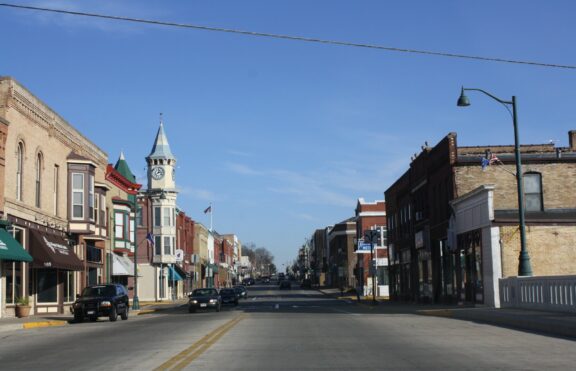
(38, 178)
(533, 191)
(19, 170)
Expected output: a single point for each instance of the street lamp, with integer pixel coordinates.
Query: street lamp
(524, 267)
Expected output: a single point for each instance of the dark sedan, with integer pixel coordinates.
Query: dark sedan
(204, 299)
(285, 285)
(229, 296)
(241, 291)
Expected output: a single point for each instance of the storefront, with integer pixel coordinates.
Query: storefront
(52, 276)
(12, 259)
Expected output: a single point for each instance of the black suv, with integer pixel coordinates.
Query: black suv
(101, 301)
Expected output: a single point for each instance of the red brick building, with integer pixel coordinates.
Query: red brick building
(371, 216)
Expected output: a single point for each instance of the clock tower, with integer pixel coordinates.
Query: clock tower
(161, 196)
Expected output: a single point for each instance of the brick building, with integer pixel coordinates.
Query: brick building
(371, 216)
(342, 258)
(55, 198)
(453, 223)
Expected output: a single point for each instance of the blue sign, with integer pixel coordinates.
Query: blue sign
(363, 248)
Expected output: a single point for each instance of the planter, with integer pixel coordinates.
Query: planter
(22, 311)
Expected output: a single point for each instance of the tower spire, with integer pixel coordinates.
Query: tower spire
(161, 148)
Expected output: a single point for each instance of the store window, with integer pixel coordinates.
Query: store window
(47, 285)
(13, 272)
(69, 286)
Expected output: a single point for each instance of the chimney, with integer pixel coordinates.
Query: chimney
(572, 139)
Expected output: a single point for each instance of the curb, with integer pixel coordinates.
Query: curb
(31, 325)
(448, 313)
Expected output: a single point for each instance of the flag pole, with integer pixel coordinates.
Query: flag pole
(211, 212)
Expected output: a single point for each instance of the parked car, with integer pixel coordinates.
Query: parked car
(241, 291)
(101, 301)
(204, 299)
(306, 283)
(229, 296)
(248, 281)
(285, 285)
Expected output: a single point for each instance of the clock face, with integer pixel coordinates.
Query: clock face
(157, 172)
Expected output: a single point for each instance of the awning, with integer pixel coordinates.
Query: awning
(173, 274)
(52, 251)
(122, 266)
(10, 249)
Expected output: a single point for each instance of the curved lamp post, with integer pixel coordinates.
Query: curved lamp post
(524, 267)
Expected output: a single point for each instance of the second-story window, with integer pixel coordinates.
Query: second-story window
(158, 245)
(38, 178)
(157, 216)
(91, 197)
(19, 170)
(119, 226)
(56, 179)
(96, 209)
(533, 191)
(167, 246)
(77, 196)
(167, 217)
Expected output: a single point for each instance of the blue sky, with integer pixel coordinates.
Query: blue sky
(284, 136)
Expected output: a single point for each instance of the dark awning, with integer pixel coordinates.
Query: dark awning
(10, 249)
(52, 251)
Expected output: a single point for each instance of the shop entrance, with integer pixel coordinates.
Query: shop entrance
(469, 278)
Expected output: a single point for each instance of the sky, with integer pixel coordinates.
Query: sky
(281, 136)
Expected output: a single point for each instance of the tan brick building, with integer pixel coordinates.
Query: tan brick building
(453, 219)
(52, 196)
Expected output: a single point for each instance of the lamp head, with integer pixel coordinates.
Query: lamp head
(162, 195)
(463, 101)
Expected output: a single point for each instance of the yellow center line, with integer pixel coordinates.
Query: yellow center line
(185, 357)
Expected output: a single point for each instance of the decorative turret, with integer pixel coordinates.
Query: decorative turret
(161, 163)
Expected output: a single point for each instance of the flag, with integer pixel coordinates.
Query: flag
(208, 209)
(150, 238)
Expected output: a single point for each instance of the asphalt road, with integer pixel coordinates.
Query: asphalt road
(284, 330)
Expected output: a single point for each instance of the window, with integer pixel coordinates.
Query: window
(119, 225)
(47, 285)
(77, 196)
(19, 170)
(96, 209)
(139, 216)
(103, 209)
(38, 178)
(131, 231)
(91, 198)
(167, 217)
(56, 177)
(533, 191)
(68, 286)
(167, 246)
(158, 245)
(157, 217)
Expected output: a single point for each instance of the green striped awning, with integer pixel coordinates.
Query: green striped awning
(10, 249)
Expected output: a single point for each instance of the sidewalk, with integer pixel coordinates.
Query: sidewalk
(54, 319)
(549, 323)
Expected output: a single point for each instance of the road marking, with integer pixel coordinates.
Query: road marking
(188, 355)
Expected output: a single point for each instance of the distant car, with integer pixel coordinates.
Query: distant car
(248, 281)
(229, 296)
(285, 285)
(241, 291)
(204, 299)
(306, 283)
(266, 280)
(101, 301)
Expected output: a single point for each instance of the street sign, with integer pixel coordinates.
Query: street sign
(179, 255)
(364, 248)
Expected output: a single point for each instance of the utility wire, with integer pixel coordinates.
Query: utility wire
(288, 37)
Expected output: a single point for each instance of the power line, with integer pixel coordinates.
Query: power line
(294, 38)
